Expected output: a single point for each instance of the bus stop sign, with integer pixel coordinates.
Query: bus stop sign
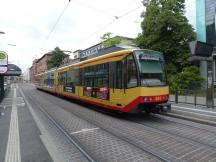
(3, 62)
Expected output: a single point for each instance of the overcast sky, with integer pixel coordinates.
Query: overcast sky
(27, 23)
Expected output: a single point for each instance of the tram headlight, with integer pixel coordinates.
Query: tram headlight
(146, 99)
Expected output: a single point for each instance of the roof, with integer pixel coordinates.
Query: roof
(50, 53)
(47, 54)
(79, 50)
(13, 70)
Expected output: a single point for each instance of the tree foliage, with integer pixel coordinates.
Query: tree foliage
(107, 41)
(57, 58)
(188, 79)
(166, 29)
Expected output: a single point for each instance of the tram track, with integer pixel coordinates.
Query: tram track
(157, 117)
(183, 138)
(127, 140)
(79, 145)
(73, 141)
(121, 130)
(179, 130)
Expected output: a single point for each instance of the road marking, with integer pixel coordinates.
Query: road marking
(84, 130)
(212, 112)
(21, 104)
(45, 135)
(13, 145)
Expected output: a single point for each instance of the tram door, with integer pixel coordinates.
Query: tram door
(62, 80)
(124, 81)
(58, 84)
(117, 91)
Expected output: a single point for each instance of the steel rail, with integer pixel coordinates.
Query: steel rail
(151, 126)
(147, 150)
(62, 130)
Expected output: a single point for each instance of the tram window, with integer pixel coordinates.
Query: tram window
(62, 78)
(49, 81)
(102, 82)
(88, 82)
(119, 74)
(73, 76)
(81, 77)
(101, 75)
(95, 76)
(131, 72)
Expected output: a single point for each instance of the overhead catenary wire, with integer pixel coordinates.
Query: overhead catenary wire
(102, 11)
(99, 10)
(94, 8)
(116, 18)
(54, 26)
(93, 33)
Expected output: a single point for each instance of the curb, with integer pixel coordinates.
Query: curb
(193, 119)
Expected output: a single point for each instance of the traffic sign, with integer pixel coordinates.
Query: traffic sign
(3, 62)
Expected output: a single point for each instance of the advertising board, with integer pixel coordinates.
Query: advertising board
(3, 62)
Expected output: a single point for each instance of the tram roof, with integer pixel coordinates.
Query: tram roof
(100, 58)
(103, 58)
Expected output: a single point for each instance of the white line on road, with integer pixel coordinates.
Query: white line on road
(13, 145)
(45, 135)
(84, 130)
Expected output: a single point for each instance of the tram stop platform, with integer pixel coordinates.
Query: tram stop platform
(20, 137)
(198, 113)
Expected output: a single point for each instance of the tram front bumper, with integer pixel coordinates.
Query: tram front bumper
(164, 107)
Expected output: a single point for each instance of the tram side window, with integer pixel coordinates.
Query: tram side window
(49, 79)
(88, 76)
(81, 76)
(131, 72)
(62, 78)
(95, 76)
(101, 78)
(73, 77)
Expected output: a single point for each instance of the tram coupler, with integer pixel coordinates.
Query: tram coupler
(164, 107)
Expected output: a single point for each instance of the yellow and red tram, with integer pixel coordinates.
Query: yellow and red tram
(128, 81)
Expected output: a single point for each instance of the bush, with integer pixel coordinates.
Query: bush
(188, 79)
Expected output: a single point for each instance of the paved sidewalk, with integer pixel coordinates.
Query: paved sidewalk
(192, 106)
(20, 137)
(201, 114)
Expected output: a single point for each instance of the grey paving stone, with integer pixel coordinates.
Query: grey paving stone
(32, 148)
(4, 130)
(157, 137)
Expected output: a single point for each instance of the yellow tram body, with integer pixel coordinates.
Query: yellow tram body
(111, 81)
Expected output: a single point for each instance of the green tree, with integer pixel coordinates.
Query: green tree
(166, 29)
(57, 58)
(188, 79)
(107, 41)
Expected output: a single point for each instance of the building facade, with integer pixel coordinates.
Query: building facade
(206, 21)
(33, 70)
(206, 27)
(98, 49)
(40, 65)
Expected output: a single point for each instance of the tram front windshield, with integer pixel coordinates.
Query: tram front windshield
(151, 68)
